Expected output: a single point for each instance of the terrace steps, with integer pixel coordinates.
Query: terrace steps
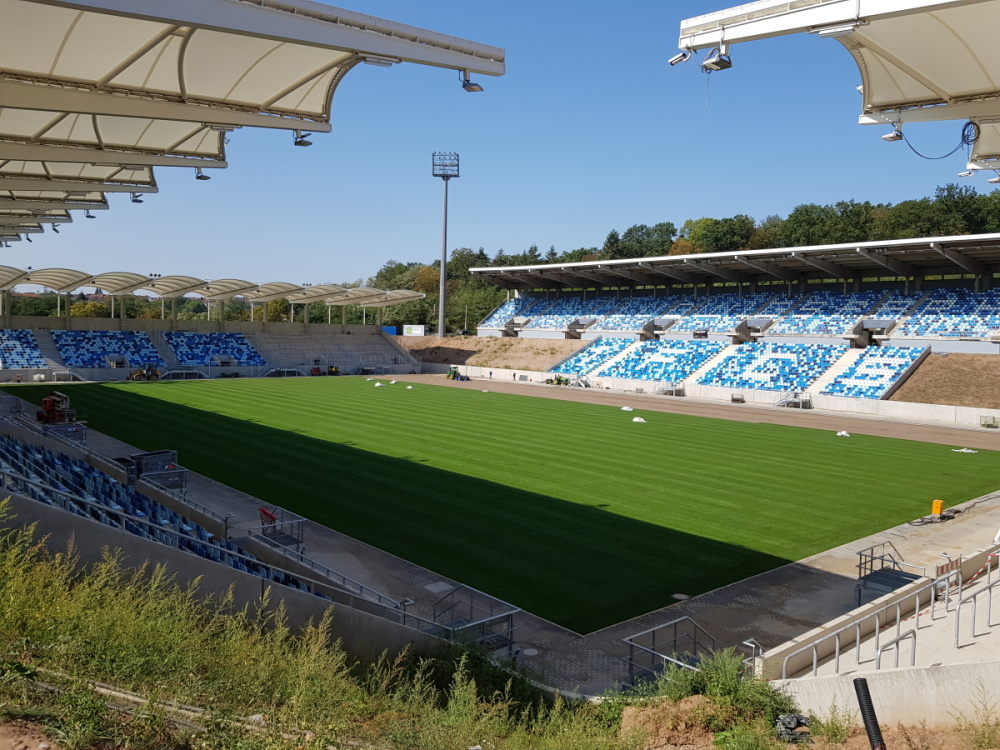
(49, 350)
(710, 363)
(838, 368)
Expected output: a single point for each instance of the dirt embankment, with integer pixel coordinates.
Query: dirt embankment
(503, 353)
(955, 380)
(679, 726)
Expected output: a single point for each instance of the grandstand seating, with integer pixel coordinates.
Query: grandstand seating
(720, 313)
(668, 361)
(826, 314)
(874, 372)
(592, 356)
(202, 349)
(773, 366)
(513, 308)
(19, 350)
(64, 481)
(896, 304)
(633, 314)
(954, 313)
(93, 348)
(564, 311)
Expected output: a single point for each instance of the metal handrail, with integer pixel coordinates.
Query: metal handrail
(934, 587)
(395, 614)
(973, 599)
(346, 582)
(895, 642)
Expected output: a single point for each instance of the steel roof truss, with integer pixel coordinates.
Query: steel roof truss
(898, 267)
(970, 265)
(86, 102)
(71, 186)
(643, 279)
(838, 272)
(714, 269)
(769, 268)
(10, 150)
(584, 275)
(6, 204)
(670, 272)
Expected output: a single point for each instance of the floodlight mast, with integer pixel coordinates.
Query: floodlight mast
(445, 166)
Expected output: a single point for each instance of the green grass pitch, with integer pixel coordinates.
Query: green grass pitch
(569, 510)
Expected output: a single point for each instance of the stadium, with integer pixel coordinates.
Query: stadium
(726, 457)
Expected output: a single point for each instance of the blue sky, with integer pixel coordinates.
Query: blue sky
(590, 130)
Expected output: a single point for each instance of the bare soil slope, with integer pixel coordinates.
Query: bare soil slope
(679, 726)
(502, 353)
(955, 380)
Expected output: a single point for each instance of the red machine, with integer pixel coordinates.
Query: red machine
(56, 410)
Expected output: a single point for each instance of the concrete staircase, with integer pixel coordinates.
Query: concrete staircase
(838, 368)
(50, 351)
(710, 363)
(163, 348)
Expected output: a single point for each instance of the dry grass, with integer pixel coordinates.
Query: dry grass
(955, 380)
(503, 353)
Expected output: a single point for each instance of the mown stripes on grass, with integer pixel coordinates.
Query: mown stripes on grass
(569, 510)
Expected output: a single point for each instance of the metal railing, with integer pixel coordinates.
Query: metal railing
(667, 644)
(973, 599)
(897, 643)
(343, 581)
(878, 621)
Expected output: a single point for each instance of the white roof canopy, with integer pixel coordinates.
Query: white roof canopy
(66, 280)
(920, 60)
(102, 91)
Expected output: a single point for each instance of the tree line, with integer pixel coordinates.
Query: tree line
(953, 210)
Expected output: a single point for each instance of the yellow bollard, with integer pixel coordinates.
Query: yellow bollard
(936, 507)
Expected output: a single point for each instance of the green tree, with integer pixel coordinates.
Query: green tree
(769, 233)
(612, 246)
(810, 224)
(90, 310)
(727, 235)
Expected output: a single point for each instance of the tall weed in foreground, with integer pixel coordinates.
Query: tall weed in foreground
(143, 631)
(982, 730)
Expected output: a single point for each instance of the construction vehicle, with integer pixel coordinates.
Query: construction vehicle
(56, 409)
(144, 373)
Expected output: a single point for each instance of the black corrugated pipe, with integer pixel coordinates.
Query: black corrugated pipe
(868, 714)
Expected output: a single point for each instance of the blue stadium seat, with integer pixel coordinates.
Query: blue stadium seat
(874, 372)
(19, 350)
(95, 348)
(773, 366)
(203, 349)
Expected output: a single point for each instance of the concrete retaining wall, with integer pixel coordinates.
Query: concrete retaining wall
(772, 665)
(934, 695)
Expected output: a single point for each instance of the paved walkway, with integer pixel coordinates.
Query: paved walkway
(771, 607)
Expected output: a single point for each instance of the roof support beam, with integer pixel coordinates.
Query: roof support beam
(838, 272)
(7, 204)
(72, 186)
(769, 268)
(588, 276)
(980, 109)
(8, 221)
(313, 25)
(10, 150)
(970, 265)
(670, 271)
(771, 18)
(713, 269)
(559, 283)
(534, 282)
(633, 276)
(59, 99)
(898, 267)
